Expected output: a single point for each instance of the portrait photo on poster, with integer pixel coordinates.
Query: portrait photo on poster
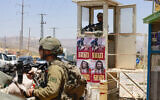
(97, 44)
(97, 48)
(98, 73)
(83, 43)
(83, 48)
(84, 66)
(99, 67)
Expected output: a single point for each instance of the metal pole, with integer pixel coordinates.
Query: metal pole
(5, 44)
(42, 28)
(21, 33)
(54, 32)
(29, 39)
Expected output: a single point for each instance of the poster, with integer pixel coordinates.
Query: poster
(83, 48)
(98, 72)
(97, 48)
(155, 41)
(157, 5)
(91, 58)
(85, 69)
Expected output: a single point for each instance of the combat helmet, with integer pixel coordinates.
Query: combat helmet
(100, 15)
(51, 44)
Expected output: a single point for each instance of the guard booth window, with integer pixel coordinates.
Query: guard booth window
(89, 19)
(126, 20)
(85, 17)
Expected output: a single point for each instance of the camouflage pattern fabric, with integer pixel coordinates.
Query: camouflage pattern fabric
(55, 83)
(75, 85)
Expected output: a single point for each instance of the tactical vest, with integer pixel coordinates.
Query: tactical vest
(75, 85)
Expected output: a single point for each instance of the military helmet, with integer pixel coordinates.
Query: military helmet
(100, 15)
(51, 44)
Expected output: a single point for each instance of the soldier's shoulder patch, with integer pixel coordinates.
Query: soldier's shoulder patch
(53, 79)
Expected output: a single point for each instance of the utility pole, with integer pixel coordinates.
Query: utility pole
(42, 28)
(54, 31)
(5, 43)
(21, 32)
(29, 39)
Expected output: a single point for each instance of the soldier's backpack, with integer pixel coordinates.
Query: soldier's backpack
(75, 86)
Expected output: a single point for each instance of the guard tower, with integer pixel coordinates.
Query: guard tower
(120, 46)
(120, 43)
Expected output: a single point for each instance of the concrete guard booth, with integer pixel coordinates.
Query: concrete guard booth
(153, 80)
(123, 40)
(120, 44)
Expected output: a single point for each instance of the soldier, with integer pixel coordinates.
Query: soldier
(99, 25)
(49, 49)
(95, 27)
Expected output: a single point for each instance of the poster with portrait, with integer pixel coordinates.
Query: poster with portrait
(83, 48)
(85, 69)
(98, 72)
(97, 46)
(91, 58)
(155, 41)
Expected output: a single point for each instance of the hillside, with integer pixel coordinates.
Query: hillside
(69, 44)
(13, 42)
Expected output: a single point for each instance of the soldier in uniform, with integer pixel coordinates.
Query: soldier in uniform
(95, 27)
(99, 25)
(49, 49)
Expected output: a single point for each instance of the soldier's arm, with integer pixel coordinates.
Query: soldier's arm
(53, 85)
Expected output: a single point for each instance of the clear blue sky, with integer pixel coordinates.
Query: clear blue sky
(62, 14)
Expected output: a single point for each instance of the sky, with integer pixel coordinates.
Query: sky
(61, 14)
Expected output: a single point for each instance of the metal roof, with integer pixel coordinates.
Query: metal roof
(153, 18)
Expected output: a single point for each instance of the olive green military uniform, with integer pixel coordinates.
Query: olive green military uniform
(99, 26)
(56, 79)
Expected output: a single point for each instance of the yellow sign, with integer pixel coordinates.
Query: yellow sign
(157, 5)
